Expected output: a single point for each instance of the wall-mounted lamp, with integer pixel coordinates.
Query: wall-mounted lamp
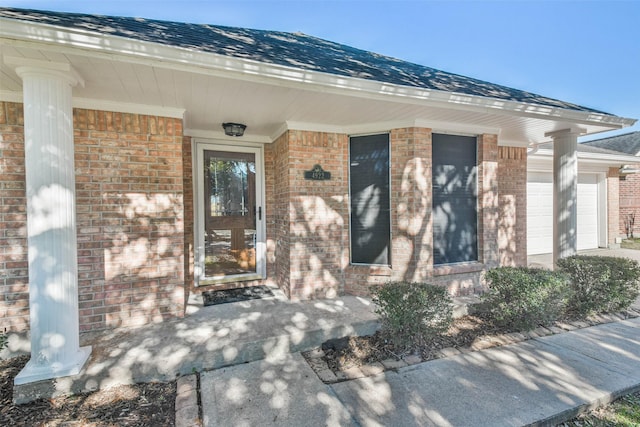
(234, 129)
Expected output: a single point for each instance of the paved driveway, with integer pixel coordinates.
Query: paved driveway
(546, 260)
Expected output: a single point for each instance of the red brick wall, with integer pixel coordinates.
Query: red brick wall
(130, 218)
(630, 201)
(189, 218)
(14, 292)
(278, 190)
(310, 219)
(129, 180)
(317, 214)
(411, 188)
(512, 223)
(488, 203)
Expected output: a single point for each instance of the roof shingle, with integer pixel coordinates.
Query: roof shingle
(296, 50)
(628, 143)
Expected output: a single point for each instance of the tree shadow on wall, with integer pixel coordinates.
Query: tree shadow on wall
(132, 269)
(319, 253)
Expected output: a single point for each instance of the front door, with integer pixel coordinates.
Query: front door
(230, 233)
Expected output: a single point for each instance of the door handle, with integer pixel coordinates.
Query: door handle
(259, 213)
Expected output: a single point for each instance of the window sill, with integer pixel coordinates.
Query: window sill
(372, 270)
(467, 267)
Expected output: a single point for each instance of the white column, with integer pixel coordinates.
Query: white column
(51, 223)
(565, 192)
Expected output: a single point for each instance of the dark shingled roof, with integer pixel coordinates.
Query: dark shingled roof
(583, 148)
(628, 143)
(288, 49)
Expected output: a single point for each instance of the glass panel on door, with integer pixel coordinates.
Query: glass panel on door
(229, 213)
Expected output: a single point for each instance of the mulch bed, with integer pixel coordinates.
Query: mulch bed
(149, 404)
(354, 351)
(353, 357)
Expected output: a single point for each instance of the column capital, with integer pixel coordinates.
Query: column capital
(574, 130)
(33, 67)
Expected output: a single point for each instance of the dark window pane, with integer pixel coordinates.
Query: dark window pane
(455, 199)
(369, 182)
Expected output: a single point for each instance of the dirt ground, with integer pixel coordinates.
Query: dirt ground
(352, 351)
(468, 333)
(150, 404)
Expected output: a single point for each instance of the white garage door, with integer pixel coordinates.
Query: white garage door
(540, 212)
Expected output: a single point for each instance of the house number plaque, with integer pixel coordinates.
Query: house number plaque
(317, 174)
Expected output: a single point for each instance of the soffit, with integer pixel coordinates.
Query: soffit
(209, 98)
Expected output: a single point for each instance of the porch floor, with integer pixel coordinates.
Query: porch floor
(208, 338)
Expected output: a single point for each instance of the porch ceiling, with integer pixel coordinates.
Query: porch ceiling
(267, 105)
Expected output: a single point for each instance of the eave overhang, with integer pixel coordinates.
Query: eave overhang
(65, 40)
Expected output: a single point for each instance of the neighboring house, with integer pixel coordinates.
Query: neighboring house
(121, 194)
(628, 143)
(597, 197)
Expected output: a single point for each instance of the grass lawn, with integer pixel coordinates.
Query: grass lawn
(624, 412)
(631, 243)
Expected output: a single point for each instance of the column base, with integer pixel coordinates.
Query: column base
(31, 373)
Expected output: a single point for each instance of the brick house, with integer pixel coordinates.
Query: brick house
(122, 193)
(629, 144)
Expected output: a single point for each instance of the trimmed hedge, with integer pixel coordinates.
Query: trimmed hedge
(522, 299)
(412, 313)
(600, 284)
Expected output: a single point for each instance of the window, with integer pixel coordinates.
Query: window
(455, 199)
(369, 189)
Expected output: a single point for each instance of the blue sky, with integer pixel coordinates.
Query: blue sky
(586, 52)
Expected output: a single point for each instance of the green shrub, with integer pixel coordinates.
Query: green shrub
(522, 299)
(413, 314)
(600, 284)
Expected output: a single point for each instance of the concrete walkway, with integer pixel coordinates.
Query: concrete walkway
(546, 260)
(536, 382)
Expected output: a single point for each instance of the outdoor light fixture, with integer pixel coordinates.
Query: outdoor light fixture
(234, 129)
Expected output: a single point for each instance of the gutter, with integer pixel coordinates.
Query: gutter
(628, 170)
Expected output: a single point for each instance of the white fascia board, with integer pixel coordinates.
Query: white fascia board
(154, 54)
(113, 106)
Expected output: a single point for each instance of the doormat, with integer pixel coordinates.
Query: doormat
(235, 295)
